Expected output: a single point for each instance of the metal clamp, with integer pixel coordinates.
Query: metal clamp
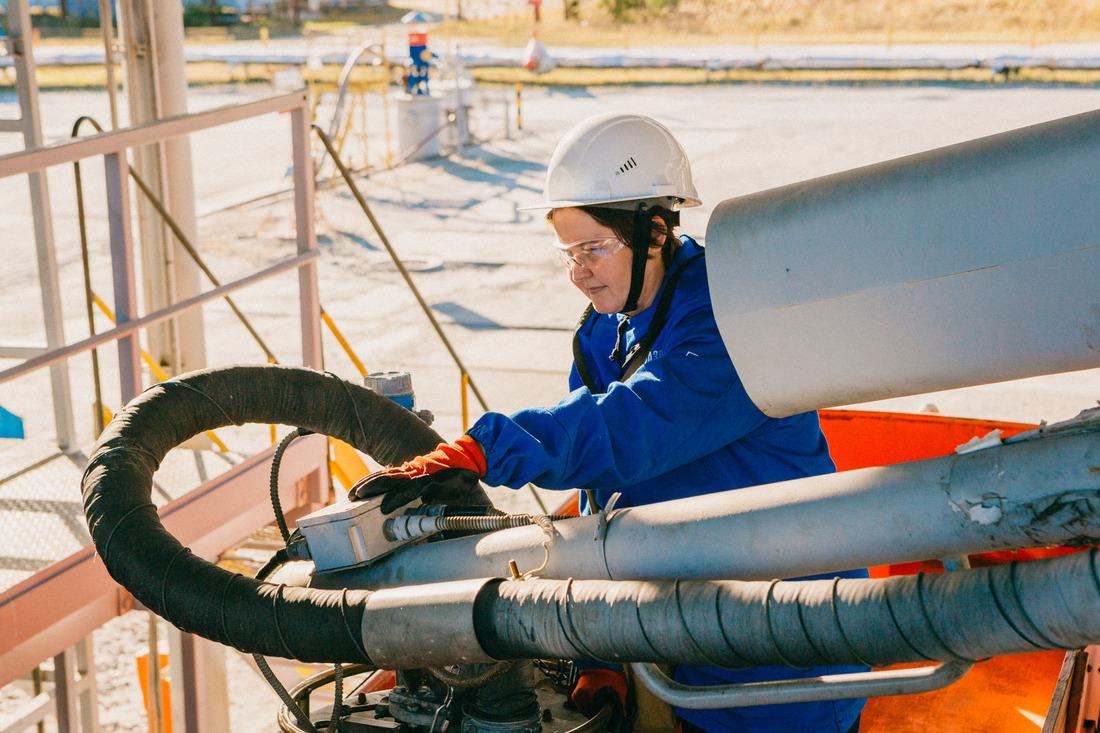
(809, 689)
(604, 515)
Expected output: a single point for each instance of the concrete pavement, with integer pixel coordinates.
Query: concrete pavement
(482, 264)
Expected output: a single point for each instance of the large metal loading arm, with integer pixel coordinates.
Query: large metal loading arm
(627, 605)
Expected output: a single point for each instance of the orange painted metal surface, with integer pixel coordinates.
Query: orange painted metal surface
(1002, 695)
(861, 439)
(165, 692)
(382, 679)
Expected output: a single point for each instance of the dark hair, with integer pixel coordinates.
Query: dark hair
(621, 222)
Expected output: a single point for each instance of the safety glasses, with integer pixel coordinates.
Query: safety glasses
(587, 252)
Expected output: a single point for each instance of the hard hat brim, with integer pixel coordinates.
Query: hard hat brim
(678, 202)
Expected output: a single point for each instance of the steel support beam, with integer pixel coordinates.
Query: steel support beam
(140, 60)
(184, 274)
(22, 48)
(307, 237)
(117, 174)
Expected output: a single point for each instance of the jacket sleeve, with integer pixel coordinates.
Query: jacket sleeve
(684, 403)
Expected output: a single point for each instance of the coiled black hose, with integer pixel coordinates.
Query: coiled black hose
(196, 596)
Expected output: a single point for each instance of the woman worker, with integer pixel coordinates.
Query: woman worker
(657, 411)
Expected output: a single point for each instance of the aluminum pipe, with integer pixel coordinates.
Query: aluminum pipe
(966, 265)
(910, 681)
(1041, 490)
(425, 626)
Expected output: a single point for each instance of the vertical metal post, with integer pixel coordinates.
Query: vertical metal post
(519, 106)
(116, 172)
(20, 32)
(64, 677)
(153, 678)
(108, 35)
(170, 69)
(465, 402)
(143, 93)
(200, 665)
(36, 689)
(316, 485)
(386, 116)
(307, 237)
(88, 692)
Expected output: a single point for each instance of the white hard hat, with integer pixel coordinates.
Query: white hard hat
(618, 160)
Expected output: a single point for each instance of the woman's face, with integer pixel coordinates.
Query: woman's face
(606, 282)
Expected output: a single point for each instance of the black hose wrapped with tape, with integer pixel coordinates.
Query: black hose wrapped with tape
(201, 598)
(967, 616)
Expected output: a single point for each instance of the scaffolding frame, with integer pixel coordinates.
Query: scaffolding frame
(61, 605)
(29, 124)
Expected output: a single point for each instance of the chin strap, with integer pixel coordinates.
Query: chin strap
(643, 238)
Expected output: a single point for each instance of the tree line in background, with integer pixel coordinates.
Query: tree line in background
(856, 15)
(1070, 18)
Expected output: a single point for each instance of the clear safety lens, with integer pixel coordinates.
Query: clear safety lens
(589, 252)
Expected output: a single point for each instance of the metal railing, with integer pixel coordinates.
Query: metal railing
(349, 179)
(466, 381)
(112, 147)
(60, 605)
(46, 620)
(20, 46)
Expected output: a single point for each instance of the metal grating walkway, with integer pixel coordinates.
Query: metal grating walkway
(41, 513)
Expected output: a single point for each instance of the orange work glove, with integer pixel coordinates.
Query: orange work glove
(595, 687)
(447, 473)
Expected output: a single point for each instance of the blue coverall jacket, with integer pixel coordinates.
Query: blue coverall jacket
(681, 425)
